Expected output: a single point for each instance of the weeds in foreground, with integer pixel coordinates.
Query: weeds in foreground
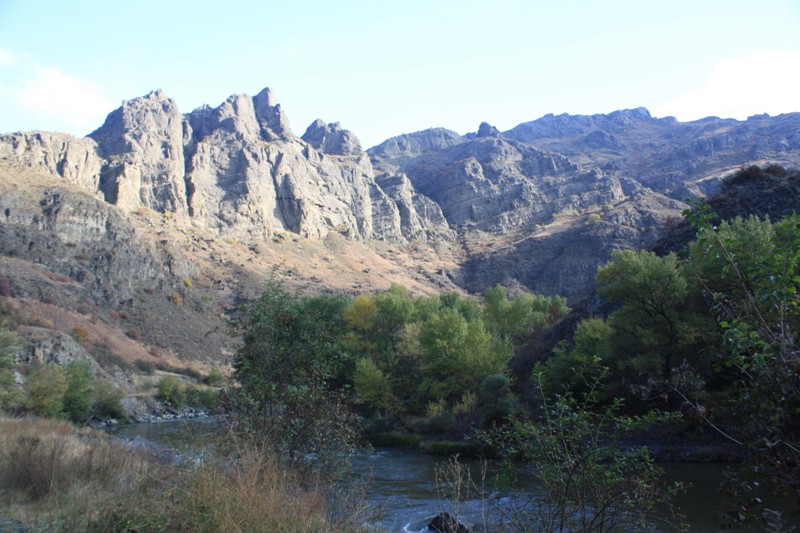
(55, 477)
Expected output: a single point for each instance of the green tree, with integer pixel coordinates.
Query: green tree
(9, 343)
(108, 400)
(172, 390)
(589, 480)
(522, 317)
(79, 396)
(496, 401)
(361, 313)
(653, 293)
(574, 370)
(458, 354)
(294, 370)
(373, 387)
(45, 390)
(750, 270)
(395, 310)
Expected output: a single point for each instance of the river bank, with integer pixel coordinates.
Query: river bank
(405, 486)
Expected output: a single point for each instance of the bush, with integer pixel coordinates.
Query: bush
(45, 390)
(202, 397)
(79, 395)
(81, 335)
(145, 366)
(108, 400)
(214, 377)
(9, 342)
(171, 390)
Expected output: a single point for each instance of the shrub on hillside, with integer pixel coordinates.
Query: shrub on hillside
(81, 335)
(171, 390)
(79, 395)
(45, 390)
(108, 400)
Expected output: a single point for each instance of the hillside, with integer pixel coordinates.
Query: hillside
(151, 231)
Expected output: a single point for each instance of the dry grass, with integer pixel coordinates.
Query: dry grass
(55, 477)
(43, 457)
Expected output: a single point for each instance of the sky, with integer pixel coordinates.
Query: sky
(386, 68)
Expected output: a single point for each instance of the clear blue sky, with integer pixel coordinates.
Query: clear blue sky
(385, 68)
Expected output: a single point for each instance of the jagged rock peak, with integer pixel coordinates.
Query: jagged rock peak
(251, 118)
(332, 139)
(142, 141)
(487, 130)
(266, 96)
(270, 115)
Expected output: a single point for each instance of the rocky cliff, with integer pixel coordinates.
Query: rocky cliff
(236, 168)
(541, 204)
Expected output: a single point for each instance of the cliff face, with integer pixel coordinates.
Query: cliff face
(540, 205)
(546, 202)
(237, 169)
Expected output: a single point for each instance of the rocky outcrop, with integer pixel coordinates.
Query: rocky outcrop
(76, 161)
(332, 139)
(236, 168)
(495, 184)
(414, 144)
(420, 217)
(81, 239)
(679, 159)
(46, 346)
(142, 143)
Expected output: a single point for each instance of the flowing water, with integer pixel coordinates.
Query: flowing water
(402, 485)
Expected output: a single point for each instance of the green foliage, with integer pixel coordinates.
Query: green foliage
(214, 377)
(79, 395)
(656, 324)
(373, 387)
(458, 354)
(306, 360)
(395, 309)
(524, 316)
(590, 482)
(574, 370)
(45, 390)
(172, 390)
(202, 397)
(750, 270)
(9, 343)
(108, 400)
(496, 401)
(293, 368)
(360, 314)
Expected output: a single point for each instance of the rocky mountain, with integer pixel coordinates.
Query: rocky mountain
(237, 169)
(150, 230)
(547, 201)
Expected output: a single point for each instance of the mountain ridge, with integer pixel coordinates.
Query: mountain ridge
(205, 204)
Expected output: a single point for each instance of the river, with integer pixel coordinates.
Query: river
(402, 488)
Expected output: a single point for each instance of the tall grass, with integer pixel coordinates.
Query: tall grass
(55, 477)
